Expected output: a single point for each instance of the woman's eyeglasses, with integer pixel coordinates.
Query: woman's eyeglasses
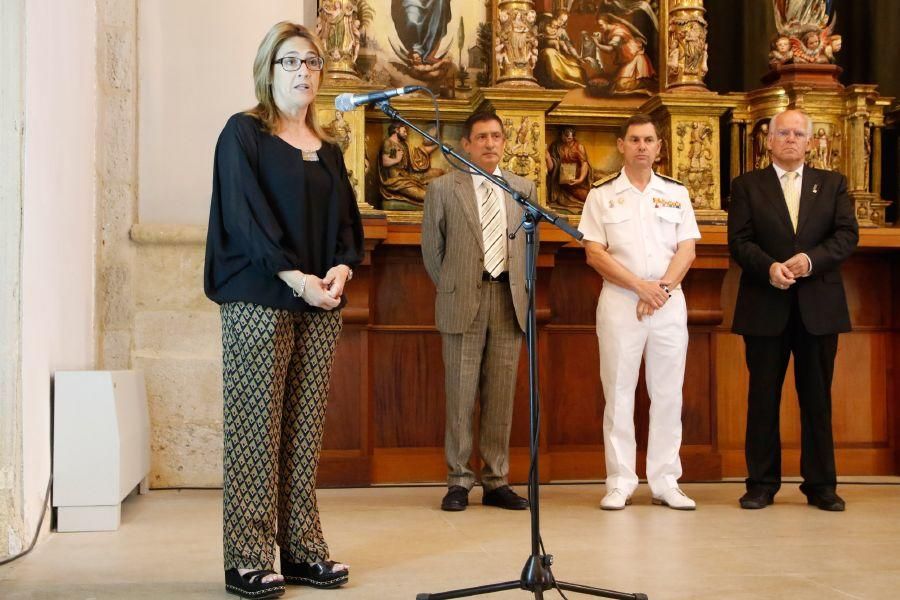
(292, 63)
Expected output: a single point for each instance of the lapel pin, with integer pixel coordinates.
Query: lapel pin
(815, 189)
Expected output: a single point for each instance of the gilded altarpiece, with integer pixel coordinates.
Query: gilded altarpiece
(846, 130)
(348, 131)
(585, 65)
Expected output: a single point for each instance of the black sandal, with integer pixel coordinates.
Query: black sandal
(320, 574)
(250, 585)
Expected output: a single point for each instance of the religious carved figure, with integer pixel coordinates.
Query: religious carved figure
(421, 159)
(781, 51)
(697, 171)
(823, 152)
(867, 155)
(761, 156)
(808, 29)
(403, 174)
(688, 47)
(339, 129)
(800, 14)
(569, 173)
(340, 29)
(522, 147)
(517, 43)
(816, 48)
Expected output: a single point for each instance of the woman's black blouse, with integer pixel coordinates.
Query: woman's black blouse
(272, 211)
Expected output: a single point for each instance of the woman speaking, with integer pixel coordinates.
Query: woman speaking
(284, 236)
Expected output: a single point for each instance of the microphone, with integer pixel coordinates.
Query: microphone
(346, 102)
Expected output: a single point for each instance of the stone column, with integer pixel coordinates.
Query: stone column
(686, 47)
(117, 208)
(515, 43)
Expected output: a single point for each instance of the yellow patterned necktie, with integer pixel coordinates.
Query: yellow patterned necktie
(791, 195)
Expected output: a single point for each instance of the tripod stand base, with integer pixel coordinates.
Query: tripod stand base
(536, 578)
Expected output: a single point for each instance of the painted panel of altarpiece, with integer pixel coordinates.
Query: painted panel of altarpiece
(420, 42)
(601, 47)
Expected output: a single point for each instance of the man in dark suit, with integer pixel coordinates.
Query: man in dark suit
(480, 309)
(790, 227)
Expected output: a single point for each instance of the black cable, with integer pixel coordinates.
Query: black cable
(37, 532)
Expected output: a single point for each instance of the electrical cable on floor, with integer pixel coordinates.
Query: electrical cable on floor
(37, 532)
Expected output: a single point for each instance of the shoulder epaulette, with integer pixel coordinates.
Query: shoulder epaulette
(604, 180)
(667, 178)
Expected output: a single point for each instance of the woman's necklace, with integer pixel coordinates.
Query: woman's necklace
(310, 155)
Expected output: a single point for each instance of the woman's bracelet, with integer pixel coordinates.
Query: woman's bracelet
(299, 293)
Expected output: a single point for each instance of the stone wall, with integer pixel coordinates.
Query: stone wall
(177, 343)
(152, 312)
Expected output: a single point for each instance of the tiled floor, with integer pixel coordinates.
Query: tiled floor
(399, 544)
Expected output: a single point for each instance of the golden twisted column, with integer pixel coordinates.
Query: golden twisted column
(686, 48)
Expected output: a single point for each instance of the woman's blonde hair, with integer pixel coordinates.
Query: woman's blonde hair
(263, 65)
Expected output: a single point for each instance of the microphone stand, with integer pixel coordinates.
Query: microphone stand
(536, 576)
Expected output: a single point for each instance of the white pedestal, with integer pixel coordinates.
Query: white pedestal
(101, 446)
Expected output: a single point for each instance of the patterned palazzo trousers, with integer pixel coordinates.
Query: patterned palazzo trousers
(276, 374)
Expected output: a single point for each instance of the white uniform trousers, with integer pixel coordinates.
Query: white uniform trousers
(662, 340)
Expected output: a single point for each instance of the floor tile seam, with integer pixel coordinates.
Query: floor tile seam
(831, 588)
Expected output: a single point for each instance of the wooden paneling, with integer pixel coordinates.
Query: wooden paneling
(574, 400)
(344, 419)
(407, 388)
(859, 405)
(386, 414)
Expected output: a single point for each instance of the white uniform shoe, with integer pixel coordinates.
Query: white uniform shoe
(675, 498)
(615, 500)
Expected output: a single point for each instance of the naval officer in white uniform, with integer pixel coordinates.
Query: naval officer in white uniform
(639, 234)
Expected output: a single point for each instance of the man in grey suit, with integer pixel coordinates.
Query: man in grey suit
(480, 309)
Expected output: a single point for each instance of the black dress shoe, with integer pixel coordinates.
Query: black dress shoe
(457, 499)
(321, 574)
(826, 501)
(757, 498)
(504, 497)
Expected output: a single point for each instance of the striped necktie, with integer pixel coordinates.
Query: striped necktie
(791, 195)
(492, 231)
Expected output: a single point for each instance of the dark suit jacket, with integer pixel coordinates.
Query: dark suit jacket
(453, 249)
(760, 233)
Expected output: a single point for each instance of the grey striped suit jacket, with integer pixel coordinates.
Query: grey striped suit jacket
(453, 249)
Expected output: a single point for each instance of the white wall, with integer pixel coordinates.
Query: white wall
(58, 222)
(195, 69)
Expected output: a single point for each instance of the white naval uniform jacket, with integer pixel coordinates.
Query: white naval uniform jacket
(641, 230)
